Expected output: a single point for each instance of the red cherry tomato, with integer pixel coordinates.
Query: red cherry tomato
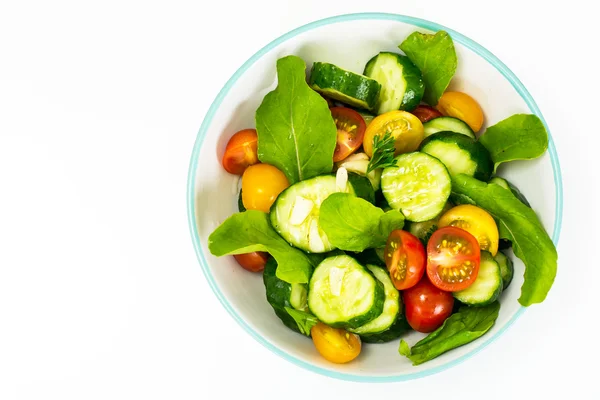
(351, 129)
(426, 113)
(453, 258)
(405, 259)
(241, 151)
(426, 306)
(253, 262)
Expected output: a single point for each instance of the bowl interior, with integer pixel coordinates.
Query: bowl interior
(348, 42)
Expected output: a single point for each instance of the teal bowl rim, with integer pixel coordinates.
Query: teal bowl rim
(421, 23)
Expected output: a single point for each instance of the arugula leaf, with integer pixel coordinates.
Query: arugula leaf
(383, 152)
(404, 348)
(354, 224)
(296, 132)
(304, 320)
(519, 224)
(462, 327)
(435, 56)
(519, 137)
(250, 231)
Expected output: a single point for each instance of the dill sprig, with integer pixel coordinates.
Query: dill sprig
(383, 152)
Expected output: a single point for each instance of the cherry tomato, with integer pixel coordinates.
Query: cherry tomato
(261, 184)
(241, 151)
(335, 345)
(350, 131)
(453, 258)
(405, 259)
(426, 113)
(406, 129)
(426, 306)
(253, 262)
(477, 222)
(462, 106)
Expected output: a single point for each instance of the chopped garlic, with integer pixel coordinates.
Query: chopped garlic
(336, 277)
(341, 179)
(301, 209)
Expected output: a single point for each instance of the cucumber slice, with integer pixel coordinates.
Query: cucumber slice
(342, 294)
(487, 287)
(358, 163)
(507, 270)
(447, 124)
(509, 186)
(460, 153)
(398, 328)
(424, 230)
(418, 186)
(348, 87)
(401, 82)
(295, 213)
(391, 305)
(281, 294)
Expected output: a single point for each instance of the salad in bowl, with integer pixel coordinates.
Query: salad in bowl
(372, 205)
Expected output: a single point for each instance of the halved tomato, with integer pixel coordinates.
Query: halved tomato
(426, 113)
(477, 222)
(404, 127)
(335, 344)
(253, 262)
(453, 258)
(351, 129)
(404, 256)
(241, 151)
(462, 106)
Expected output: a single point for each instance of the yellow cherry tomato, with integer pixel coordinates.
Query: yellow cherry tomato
(261, 184)
(477, 222)
(335, 345)
(462, 106)
(405, 127)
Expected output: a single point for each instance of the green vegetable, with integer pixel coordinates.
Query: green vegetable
(250, 231)
(304, 320)
(353, 224)
(463, 327)
(435, 56)
(279, 294)
(519, 224)
(296, 132)
(241, 207)
(383, 152)
(520, 137)
(404, 348)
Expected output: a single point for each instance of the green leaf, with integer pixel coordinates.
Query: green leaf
(251, 231)
(383, 152)
(435, 56)
(519, 224)
(296, 132)
(354, 224)
(404, 348)
(462, 327)
(304, 320)
(519, 137)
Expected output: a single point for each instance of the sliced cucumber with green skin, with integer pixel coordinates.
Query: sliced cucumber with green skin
(447, 124)
(418, 186)
(295, 213)
(343, 294)
(398, 328)
(401, 81)
(487, 286)
(507, 269)
(509, 186)
(281, 294)
(460, 153)
(348, 87)
(391, 305)
(358, 163)
(424, 230)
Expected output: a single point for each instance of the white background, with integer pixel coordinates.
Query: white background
(101, 295)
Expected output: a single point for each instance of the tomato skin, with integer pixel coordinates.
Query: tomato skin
(241, 151)
(477, 222)
(453, 259)
(261, 184)
(426, 306)
(462, 106)
(351, 129)
(405, 259)
(406, 129)
(426, 113)
(253, 262)
(335, 345)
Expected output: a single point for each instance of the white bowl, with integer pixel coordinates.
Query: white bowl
(349, 41)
